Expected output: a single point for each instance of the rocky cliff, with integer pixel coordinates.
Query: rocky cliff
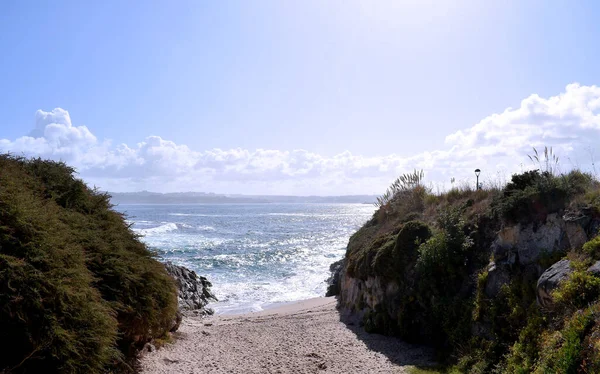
(474, 272)
(193, 291)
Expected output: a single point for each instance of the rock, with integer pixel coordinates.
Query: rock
(193, 291)
(176, 322)
(576, 226)
(498, 275)
(595, 269)
(334, 280)
(524, 244)
(550, 280)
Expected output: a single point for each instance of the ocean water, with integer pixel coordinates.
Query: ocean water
(255, 255)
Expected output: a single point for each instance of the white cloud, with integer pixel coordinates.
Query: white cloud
(498, 145)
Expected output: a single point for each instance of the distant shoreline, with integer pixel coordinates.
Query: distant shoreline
(247, 203)
(146, 197)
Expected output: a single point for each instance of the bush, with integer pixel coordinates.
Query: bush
(524, 353)
(78, 290)
(443, 258)
(530, 197)
(580, 289)
(592, 248)
(561, 351)
(441, 272)
(394, 256)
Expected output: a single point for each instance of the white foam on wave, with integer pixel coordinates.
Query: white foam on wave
(311, 215)
(208, 215)
(206, 228)
(179, 242)
(157, 230)
(250, 291)
(257, 261)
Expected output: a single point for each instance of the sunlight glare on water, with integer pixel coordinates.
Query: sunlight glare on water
(255, 255)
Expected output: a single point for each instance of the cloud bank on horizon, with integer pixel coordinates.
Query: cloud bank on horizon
(498, 145)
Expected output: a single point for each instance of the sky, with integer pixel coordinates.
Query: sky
(298, 97)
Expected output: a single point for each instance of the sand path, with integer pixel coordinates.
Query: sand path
(305, 337)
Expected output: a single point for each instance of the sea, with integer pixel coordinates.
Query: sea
(256, 255)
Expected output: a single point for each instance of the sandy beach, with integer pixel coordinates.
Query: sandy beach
(304, 337)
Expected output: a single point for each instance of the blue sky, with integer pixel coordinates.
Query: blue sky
(320, 97)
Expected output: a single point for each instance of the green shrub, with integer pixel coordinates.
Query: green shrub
(480, 301)
(443, 258)
(384, 260)
(592, 248)
(593, 198)
(578, 182)
(580, 289)
(524, 353)
(410, 237)
(441, 273)
(371, 253)
(78, 290)
(531, 196)
(561, 351)
(392, 258)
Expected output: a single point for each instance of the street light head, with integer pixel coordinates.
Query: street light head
(477, 171)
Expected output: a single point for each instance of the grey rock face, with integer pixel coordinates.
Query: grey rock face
(550, 280)
(524, 244)
(577, 225)
(193, 291)
(595, 269)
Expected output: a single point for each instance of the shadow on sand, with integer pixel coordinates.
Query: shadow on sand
(397, 351)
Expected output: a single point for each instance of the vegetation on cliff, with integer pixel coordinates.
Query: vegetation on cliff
(459, 270)
(78, 291)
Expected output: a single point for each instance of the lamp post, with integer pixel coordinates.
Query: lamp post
(477, 171)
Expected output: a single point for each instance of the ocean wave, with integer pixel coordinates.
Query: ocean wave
(207, 215)
(157, 230)
(263, 256)
(205, 228)
(332, 215)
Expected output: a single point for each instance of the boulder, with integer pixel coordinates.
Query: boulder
(595, 269)
(333, 281)
(498, 275)
(176, 322)
(193, 291)
(550, 280)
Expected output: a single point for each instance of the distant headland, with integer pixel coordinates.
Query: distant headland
(146, 197)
